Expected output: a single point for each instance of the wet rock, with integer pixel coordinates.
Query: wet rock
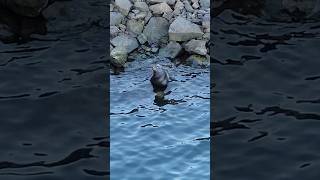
(182, 29)
(172, 50)
(124, 6)
(119, 56)
(115, 18)
(124, 41)
(156, 28)
(135, 26)
(196, 46)
(29, 8)
(160, 8)
(197, 60)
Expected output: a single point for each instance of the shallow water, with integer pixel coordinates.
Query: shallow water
(266, 98)
(53, 99)
(160, 140)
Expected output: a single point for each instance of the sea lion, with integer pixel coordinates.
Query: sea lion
(159, 79)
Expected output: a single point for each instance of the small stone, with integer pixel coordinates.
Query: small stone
(154, 49)
(122, 27)
(146, 48)
(126, 42)
(172, 50)
(124, 6)
(196, 46)
(135, 11)
(161, 8)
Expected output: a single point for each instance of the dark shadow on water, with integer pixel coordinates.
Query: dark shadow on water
(15, 28)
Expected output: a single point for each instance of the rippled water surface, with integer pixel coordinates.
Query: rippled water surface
(266, 120)
(160, 140)
(52, 98)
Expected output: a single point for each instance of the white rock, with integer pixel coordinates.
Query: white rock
(183, 30)
(124, 6)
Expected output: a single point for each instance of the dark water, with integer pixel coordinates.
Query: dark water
(53, 96)
(266, 98)
(160, 139)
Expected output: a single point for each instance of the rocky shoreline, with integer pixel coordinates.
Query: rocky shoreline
(166, 28)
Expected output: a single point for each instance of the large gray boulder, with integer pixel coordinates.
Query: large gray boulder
(182, 29)
(172, 50)
(29, 8)
(126, 42)
(156, 29)
(196, 46)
